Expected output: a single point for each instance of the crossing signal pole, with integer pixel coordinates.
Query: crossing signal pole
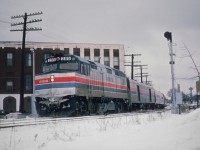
(168, 36)
(24, 29)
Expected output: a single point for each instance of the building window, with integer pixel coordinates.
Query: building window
(106, 57)
(77, 51)
(66, 51)
(97, 55)
(116, 62)
(28, 82)
(116, 58)
(87, 54)
(9, 85)
(47, 55)
(28, 60)
(9, 58)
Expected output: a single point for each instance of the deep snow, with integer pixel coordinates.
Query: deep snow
(155, 131)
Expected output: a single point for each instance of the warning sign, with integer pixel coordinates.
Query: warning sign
(198, 86)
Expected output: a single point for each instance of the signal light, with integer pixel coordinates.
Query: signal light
(168, 36)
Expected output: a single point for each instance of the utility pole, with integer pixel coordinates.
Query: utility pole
(141, 73)
(147, 77)
(132, 63)
(24, 29)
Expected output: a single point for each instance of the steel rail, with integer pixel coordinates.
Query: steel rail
(7, 123)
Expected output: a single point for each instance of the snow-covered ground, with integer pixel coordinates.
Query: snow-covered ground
(156, 131)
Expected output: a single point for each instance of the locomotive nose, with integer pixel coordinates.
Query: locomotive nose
(43, 84)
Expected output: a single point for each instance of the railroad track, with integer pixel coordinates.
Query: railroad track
(10, 123)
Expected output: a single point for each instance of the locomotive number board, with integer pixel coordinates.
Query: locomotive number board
(58, 59)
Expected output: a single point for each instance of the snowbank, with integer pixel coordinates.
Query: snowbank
(162, 131)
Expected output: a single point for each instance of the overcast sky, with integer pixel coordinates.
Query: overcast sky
(138, 24)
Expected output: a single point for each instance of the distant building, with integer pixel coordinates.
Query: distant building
(10, 61)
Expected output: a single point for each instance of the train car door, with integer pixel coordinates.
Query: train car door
(102, 81)
(150, 95)
(90, 80)
(129, 90)
(138, 91)
(155, 97)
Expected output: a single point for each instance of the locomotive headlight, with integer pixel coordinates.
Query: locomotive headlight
(52, 77)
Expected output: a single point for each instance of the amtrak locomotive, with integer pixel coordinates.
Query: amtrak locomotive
(70, 85)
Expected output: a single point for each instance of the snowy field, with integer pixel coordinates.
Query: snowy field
(155, 131)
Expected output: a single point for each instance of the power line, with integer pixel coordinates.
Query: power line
(187, 78)
(192, 61)
(6, 22)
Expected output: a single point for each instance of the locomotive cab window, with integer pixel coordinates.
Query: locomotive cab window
(49, 68)
(84, 68)
(73, 66)
(94, 67)
(61, 63)
(109, 71)
(119, 73)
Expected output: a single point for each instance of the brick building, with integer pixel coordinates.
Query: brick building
(10, 61)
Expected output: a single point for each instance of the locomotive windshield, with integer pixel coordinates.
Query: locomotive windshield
(49, 67)
(60, 64)
(68, 66)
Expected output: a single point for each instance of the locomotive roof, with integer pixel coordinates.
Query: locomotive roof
(97, 64)
(79, 58)
(116, 71)
(63, 56)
